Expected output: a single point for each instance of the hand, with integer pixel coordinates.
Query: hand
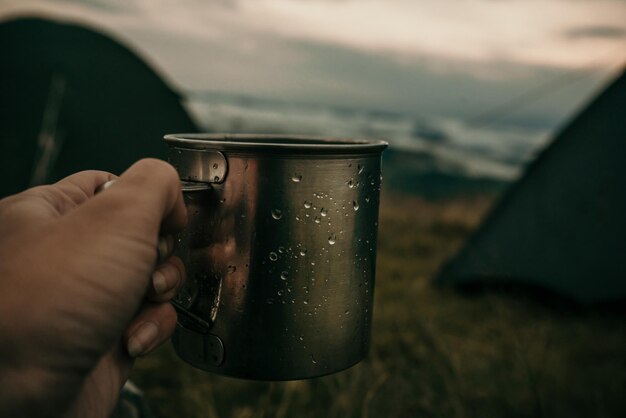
(79, 293)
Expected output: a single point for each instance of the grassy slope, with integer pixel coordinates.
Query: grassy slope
(434, 352)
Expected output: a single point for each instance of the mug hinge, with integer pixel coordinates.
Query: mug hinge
(192, 336)
(204, 166)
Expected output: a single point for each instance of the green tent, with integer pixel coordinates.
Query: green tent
(74, 99)
(562, 227)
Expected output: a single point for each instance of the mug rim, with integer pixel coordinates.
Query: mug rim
(275, 142)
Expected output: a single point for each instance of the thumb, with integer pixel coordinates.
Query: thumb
(151, 189)
(116, 235)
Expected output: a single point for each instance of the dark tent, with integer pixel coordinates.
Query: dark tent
(74, 99)
(562, 227)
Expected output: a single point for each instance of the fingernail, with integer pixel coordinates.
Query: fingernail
(164, 247)
(105, 186)
(142, 338)
(159, 282)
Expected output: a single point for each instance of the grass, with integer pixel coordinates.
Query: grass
(435, 352)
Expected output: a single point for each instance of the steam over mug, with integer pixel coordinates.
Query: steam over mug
(280, 252)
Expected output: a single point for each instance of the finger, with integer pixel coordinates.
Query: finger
(165, 247)
(82, 186)
(143, 199)
(166, 280)
(154, 324)
(119, 229)
(67, 193)
(160, 184)
(173, 223)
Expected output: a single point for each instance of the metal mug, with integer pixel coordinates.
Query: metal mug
(280, 252)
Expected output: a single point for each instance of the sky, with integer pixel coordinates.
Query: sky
(513, 62)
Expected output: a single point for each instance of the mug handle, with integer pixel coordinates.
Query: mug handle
(200, 347)
(192, 328)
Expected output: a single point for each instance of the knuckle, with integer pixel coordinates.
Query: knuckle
(93, 173)
(157, 166)
(159, 170)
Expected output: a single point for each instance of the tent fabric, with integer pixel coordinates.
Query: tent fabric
(74, 99)
(562, 226)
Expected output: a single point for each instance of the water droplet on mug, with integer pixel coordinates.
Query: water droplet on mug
(355, 205)
(323, 212)
(360, 167)
(296, 178)
(215, 166)
(281, 249)
(297, 218)
(332, 239)
(307, 204)
(303, 252)
(216, 179)
(317, 220)
(313, 359)
(269, 301)
(350, 183)
(279, 293)
(306, 302)
(367, 199)
(284, 275)
(277, 214)
(273, 256)
(301, 337)
(231, 269)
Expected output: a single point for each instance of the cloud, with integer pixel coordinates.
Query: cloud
(103, 5)
(474, 32)
(527, 33)
(417, 57)
(596, 32)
